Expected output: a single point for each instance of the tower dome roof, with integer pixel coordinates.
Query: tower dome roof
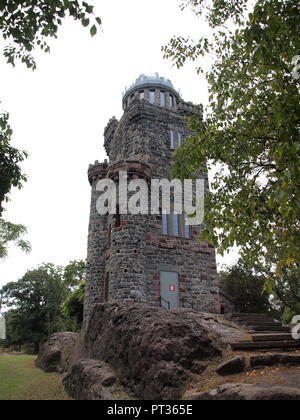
(153, 80)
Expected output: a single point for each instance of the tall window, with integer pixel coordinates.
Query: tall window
(176, 139)
(162, 100)
(142, 95)
(172, 139)
(165, 224)
(187, 227)
(117, 218)
(179, 139)
(106, 287)
(109, 237)
(171, 101)
(176, 226)
(152, 96)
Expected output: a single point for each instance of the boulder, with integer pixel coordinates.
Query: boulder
(153, 351)
(274, 359)
(57, 354)
(245, 392)
(92, 380)
(232, 366)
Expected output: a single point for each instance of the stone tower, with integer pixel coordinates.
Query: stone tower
(154, 259)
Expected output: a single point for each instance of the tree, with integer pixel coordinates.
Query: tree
(10, 232)
(15, 332)
(10, 158)
(36, 299)
(73, 306)
(251, 130)
(246, 288)
(25, 26)
(10, 176)
(286, 289)
(38, 303)
(74, 274)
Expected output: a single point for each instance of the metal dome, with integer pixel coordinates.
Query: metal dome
(154, 80)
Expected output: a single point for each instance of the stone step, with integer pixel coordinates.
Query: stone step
(260, 318)
(256, 322)
(263, 329)
(252, 320)
(272, 337)
(266, 345)
(262, 324)
(249, 315)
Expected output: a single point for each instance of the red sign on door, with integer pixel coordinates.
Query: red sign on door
(172, 288)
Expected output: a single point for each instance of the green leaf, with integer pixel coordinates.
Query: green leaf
(93, 30)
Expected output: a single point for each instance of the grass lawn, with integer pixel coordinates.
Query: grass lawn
(21, 380)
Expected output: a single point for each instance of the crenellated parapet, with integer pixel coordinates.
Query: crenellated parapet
(134, 170)
(189, 109)
(97, 171)
(109, 133)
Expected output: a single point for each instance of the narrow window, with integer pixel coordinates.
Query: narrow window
(187, 227)
(106, 287)
(171, 98)
(165, 224)
(172, 139)
(162, 98)
(109, 237)
(179, 139)
(117, 218)
(142, 95)
(176, 227)
(152, 97)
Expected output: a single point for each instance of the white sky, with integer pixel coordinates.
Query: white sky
(59, 113)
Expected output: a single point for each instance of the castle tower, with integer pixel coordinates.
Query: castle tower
(155, 259)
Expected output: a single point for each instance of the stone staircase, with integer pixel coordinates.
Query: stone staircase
(266, 333)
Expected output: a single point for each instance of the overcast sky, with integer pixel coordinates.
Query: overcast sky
(59, 113)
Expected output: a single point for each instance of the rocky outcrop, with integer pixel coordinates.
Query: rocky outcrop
(218, 327)
(93, 380)
(244, 392)
(232, 367)
(154, 352)
(57, 354)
